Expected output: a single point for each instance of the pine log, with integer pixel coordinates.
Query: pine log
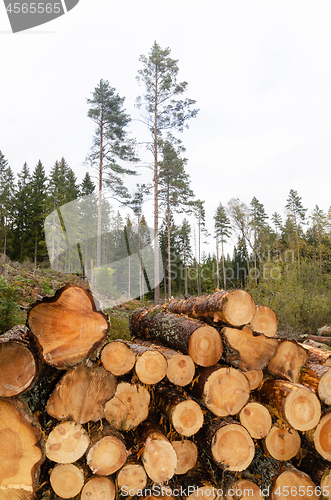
(291, 484)
(294, 403)
(226, 442)
(282, 443)
(256, 419)
(158, 456)
(243, 489)
(198, 483)
(117, 358)
(320, 436)
(288, 360)
(202, 342)
(222, 389)
(19, 361)
(184, 414)
(317, 355)
(151, 365)
(255, 378)
(99, 488)
(81, 394)
(67, 480)
(67, 443)
(68, 327)
(180, 367)
(264, 321)
(317, 378)
(21, 451)
(128, 407)
(187, 455)
(246, 350)
(233, 307)
(107, 452)
(131, 478)
(319, 471)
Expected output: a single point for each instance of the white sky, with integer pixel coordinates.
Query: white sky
(259, 70)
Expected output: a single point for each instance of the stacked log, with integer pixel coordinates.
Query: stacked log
(205, 400)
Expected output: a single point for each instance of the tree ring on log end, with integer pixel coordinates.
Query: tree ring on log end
(288, 485)
(238, 308)
(98, 488)
(106, 456)
(66, 480)
(187, 455)
(151, 367)
(226, 391)
(322, 437)
(159, 458)
(256, 419)
(17, 368)
(205, 346)
(244, 489)
(233, 447)
(187, 418)
(283, 444)
(117, 358)
(302, 409)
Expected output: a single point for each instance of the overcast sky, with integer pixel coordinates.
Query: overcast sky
(259, 70)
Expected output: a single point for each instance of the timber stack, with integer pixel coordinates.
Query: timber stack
(204, 400)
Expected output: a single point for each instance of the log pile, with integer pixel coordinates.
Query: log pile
(205, 400)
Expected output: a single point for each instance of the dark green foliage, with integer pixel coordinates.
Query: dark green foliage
(9, 310)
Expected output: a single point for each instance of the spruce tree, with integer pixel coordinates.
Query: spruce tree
(297, 214)
(7, 193)
(22, 207)
(37, 212)
(222, 231)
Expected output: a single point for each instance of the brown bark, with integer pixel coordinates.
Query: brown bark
(128, 407)
(19, 361)
(318, 379)
(222, 389)
(282, 443)
(294, 403)
(81, 394)
(227, 442)
(117, 358)
(184, 414)
(68, 327)
(67, 480)
(67, 442)
(158, 456)
(21, 450)
(187, 455)
(151, 365)
(107, 452)
(99, 488)
(288, 360)
(256, 418)
(316, 355)
(233, 307)
(264, 321)
(202, 342)
(245, 350)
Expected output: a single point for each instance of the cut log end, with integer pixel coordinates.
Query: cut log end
(159, 458)
(302, 409)
(187, 455)
(264, 321)
(244, 489)
(205, 346)
(67, 480)
(187, 418)
(17, 369)
(99, 488)
(233, 448)
(67, 443)
(180, 370)
(151, 367)
(290, 484)
(322, 441)
(238, 308)
(256, 419)
(117, 358)
(129, 406)
(288, 360)
(106, 456)
(255, 378)
(283, 444)
(131, 478)
(207, 490)
(226, 391)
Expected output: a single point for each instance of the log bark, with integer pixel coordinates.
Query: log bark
(158, 456)
(202, 342)
(107, 452)
(245, 350)
(222, 389)
(282, 443)
(131, 478)
(294, 403)
(151, 365)
(180, 367)
(68, 327)
(256, 418)
(187, 455)
(67, 480)
(318, 379)
(288, 361)
(21, 452)
(264, 321)
(226, 442)
(233, 307)
(67, 443)
(316, 355)
(19, 361)
(184, 414)
(117, 358)
(81, 394)
(99, 488)
(128, 407)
